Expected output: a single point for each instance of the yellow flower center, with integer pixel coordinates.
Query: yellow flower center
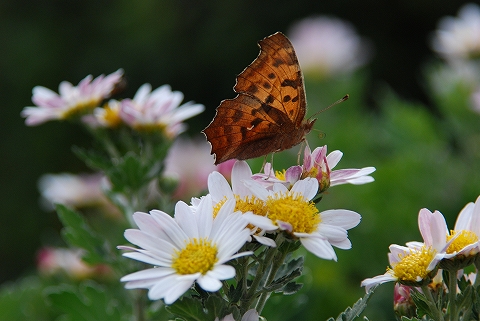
(313, 172)
(280, 175)
(249, 203)
(81, 108)
(294, 209)
(463, 239)
(413, 266)
(198, 256)
(111, 116)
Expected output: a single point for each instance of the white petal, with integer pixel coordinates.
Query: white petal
(333, 158)
(222, 272)
(262, 222)
(257, 189)
(240, 172)
(209, 283)
(143, 257)
(379, 279)
(204, 216)
(308, 187)
(186, 219)
(148, 274)
(218, 187)
(171, 228)
(320, 247)
(146, 223)
(250, 315)
(265, 240)
(343, 218)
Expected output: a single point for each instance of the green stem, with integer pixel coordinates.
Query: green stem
(452, 294)
(437, 314)
(251, 294)
(277, 263)
(139, 305)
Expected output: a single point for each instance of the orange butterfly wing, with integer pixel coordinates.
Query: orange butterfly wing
(268, 113)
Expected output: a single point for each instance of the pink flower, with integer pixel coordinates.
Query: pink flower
(71, 100)
(318, 165)
(158, 110)
(328, 46)
(189, 162)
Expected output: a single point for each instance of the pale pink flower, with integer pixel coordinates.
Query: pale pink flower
(459, 37)
(71, 100)
(73, 190)
(68, 261)
(416, 264)
(318, 165)
(158, 110)
(328, 46)
(189, 162)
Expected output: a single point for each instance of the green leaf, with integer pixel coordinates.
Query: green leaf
(216, 307)
(23, 301)
(88, 302)
(421, 303)
(355, 311)
(93, 159)
(187, 308)
(290, 288)
(77, 233)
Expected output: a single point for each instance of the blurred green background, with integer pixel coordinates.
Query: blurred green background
(392, 121)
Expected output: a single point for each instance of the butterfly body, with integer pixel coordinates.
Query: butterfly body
(268, 114)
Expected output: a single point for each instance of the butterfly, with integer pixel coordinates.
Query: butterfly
(268, 114)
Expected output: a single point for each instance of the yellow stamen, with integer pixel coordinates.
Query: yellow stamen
(293, 208)
(280, 175)
(198, 256)
(80, 109)
(463, 239)
(414, 265)
(111, 116)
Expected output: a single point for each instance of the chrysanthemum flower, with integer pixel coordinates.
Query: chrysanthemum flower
(71, 100)
(73, 190)
(192, 176)
(158, 110)
(293, 211)
(464, 240)
(415, 264)
(250, 315)
(318, 165)
(191, 247)
(246, 201)
(459, 37)
(328, 46)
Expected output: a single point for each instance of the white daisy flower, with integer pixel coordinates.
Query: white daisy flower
(158, 109)
(191, 247)
(415, 264)
(293, 211)
(246, 201)
(71, 100)
(459, 37)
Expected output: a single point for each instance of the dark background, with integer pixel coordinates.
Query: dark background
(196, 47)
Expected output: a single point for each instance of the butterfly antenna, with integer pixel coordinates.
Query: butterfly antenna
(341, 100)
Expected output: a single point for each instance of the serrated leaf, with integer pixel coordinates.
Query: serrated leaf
(355, 311)
(187, 308)
(92, 159)
(216, 306)
(88, 302)
(77, 233)
(421, 303)
(290, 288)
